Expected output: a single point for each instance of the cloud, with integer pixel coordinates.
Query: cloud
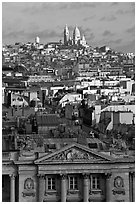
(128, 47)
(84, 31)
(132, 4)
(76, 5)
(44, 34)
(114, 4)
(90, 37)
(131, 30)
(89, 18)
(13, 34)
(107, 33)
(118, 41)
(37, 8)
(64, 6)
(108, 18)
(130, 11)
(120, 11)
(108, 42)
(87, 30)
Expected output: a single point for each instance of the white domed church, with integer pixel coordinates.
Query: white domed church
(76, 40)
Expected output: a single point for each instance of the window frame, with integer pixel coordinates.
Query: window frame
(95, 182)
(51, 183)
(74, 184)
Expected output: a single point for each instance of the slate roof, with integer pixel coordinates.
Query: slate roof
(47, 120)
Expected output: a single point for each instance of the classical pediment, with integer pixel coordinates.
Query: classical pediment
(73, 153)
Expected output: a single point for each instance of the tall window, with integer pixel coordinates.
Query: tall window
(73, 183)
(2, 181)
(95, 182)
(51, 183)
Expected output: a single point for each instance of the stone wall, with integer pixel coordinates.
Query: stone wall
(27, 184)
(120, 187)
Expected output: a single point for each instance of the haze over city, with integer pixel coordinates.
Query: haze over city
(102, 23)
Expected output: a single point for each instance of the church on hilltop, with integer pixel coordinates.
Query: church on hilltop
(77, 39)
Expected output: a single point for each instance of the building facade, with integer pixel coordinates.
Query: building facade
(74, 173)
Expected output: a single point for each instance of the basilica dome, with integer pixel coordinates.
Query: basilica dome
(76, 32)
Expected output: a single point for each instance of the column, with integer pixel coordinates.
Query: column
(12, 188)
(86, 187)
(63, 187)
(41, 187)
(108, 187)
(130, 187)
(133, 186)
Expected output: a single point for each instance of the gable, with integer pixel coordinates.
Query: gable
(73, 153)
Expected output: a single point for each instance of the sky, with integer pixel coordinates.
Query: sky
(102, 23)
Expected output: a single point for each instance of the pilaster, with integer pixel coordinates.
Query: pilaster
(108, 187)
(86, 187)
(63, 187)
(41, 187)
(12, 187)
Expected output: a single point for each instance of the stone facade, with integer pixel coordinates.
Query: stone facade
(74, 173)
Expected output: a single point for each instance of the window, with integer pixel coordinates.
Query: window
(73, 183)
(51, 183)
(95, 182)
(51, 146)
(93, 145)
(3, 182)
